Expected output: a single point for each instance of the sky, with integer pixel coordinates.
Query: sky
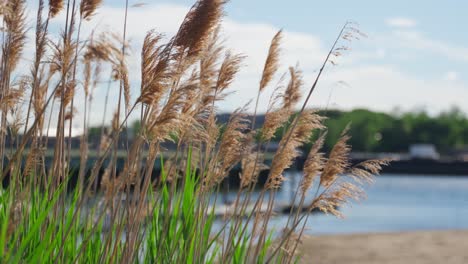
(414, 58)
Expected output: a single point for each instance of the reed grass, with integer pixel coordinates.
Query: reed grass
(127, 215)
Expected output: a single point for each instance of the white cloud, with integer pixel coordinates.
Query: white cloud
(451, 76)
(370, 84)
(417, 41)
(401, 22)
(385, 87)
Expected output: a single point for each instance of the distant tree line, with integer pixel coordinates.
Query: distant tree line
(378, 132)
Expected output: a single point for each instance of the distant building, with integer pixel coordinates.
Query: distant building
(423, 151)
(461, 154)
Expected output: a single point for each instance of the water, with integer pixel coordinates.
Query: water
(397, 203)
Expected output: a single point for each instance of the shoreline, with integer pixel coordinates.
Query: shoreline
(416, 247)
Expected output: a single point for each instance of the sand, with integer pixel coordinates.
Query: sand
(437, 247)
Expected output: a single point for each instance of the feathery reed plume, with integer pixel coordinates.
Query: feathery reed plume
(103, 49)
(251, 168)
(337, 162)
(209, 61)
(228, 70)
(193, 95)
(14, 36)
(13, 102)
(34, 156)
(154, 69)
(123, 75)
(40, 99)
(207, 79)
(88, 8)
(313, 164)
(3, 9)
(288, 150)
(336, 196)
(55, 6)
(167, 123)
(213, 87)
(366, 170)
(37, 70)
(292, 95)
(274, 120)
(232, 146)
(15, 94)
(62, 58)
(203, 17)
(212, 132)
(15, 27)
(272, 61)
(276, 116)
(87, 76)
(104, 142)
(115, 124)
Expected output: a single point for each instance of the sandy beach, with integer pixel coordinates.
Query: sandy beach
(433, 247)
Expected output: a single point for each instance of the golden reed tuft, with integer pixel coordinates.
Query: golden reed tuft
(272, 61)
(55, 6)
(88, 8)
(198, 24)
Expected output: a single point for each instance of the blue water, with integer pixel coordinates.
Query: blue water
(398, 203)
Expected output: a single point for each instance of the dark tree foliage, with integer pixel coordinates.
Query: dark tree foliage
(381, 132)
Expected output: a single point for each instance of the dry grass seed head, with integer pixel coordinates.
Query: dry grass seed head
(87, 76)
(365, 171)
(292, 94)
(34, 157)
(212, 132)
(272, 61)
(313, 164)
(201, 20)
(228, 70)
(104, 48)
(15, 94)
(209, 61)
(125, 84)
(167, 123)
(13, 102)
(88, 8)
(276, 116)
(15, 27)
(62, 59)
(69, 92)
(55, 6)
(252, 165)
(156, 69)
(39, 96)
(115, 121)
(104, 142)
(233, 144)
(336, 196)
(338, 160)
(274, 120)
(233, 137)
(3, 9)
(289, 146)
